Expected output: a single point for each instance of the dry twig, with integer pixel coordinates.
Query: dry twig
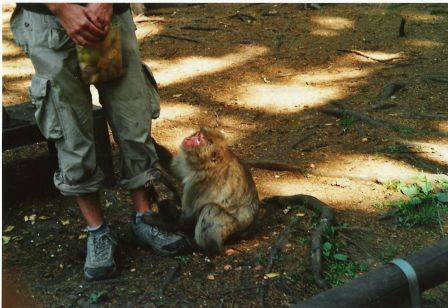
(359, 53)
(401, 29)
(180, 38)
(197, 28)
(273, 166)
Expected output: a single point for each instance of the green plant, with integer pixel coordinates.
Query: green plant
(426, 203)
(261, 259)
(183, 260)
(293, 277)
(347, 121)
(338, 267)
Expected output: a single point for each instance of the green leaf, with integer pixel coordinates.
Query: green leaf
(426, 187)
(97, 297)
(442, 197)
(409, 190)
(326, 246)
(415, 201)
(340, 257)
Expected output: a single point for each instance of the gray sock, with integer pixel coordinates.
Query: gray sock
(97, 229)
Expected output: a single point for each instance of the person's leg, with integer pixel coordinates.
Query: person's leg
(127, 102)
(140, 200)
(90, 208)
(64, 115)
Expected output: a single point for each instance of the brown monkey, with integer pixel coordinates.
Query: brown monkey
(219, 195)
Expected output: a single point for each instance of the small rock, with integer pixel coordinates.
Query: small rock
(227, 267)
(211, 277)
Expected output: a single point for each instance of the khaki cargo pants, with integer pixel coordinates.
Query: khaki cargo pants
(64, 104)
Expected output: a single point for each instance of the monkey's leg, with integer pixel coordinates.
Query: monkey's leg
(214, 226)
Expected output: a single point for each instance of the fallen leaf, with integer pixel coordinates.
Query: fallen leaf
(299, 214)
(43, 217)
(211, 277)
(271, 275)
(364, 139)
(5, 239)
(65, 222)
(8, 229)
(132, 269)
(17, 238)
(230, 252)
(258, 268)
(177, 95)
(61, 266)
(286, 211)
(312, 165)
(82, 236)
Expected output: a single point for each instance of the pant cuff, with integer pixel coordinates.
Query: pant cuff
(140, 180)
(92, 185)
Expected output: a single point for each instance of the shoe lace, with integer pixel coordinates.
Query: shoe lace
(102, 246)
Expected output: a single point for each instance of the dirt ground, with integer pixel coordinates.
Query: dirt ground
(262, 74)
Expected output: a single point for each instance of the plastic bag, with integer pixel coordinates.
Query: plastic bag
(102, 62)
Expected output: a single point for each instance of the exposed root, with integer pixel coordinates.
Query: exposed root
(362, 117)
(359, 53)
(326, 220)
(275, 250)
(171, 275)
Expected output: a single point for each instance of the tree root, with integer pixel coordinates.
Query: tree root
(171, 275)
(359, 53)
(275, 250)
(362, 117)
(326, 220)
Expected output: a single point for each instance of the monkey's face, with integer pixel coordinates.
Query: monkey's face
(204, 145)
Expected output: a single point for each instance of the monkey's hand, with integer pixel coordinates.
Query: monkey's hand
(168, 202)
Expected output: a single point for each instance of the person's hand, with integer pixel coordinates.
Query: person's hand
(100, 14)
(76, 23)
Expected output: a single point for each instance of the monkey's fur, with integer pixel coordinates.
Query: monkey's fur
(219, 195)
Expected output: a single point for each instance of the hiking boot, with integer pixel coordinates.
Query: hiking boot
(162, 242)
(100, 263)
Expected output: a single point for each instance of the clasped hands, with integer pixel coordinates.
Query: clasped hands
(86, 26)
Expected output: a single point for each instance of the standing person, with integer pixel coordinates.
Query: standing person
(48, 34)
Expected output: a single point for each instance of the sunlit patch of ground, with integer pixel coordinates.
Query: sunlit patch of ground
(425, 43)
(171, 72)
(373, 168)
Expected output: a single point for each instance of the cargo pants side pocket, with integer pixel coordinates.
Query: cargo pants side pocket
(47, 118)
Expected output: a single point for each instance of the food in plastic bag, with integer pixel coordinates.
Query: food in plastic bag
(102, 62)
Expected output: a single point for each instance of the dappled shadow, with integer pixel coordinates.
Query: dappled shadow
(265, 82)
